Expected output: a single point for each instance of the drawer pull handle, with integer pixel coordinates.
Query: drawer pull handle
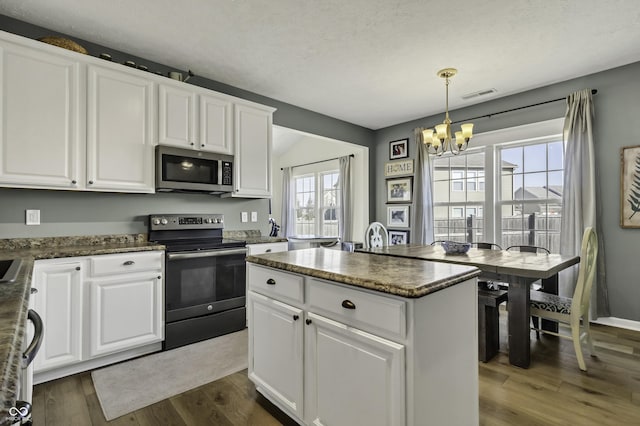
(34, 290)
(308, 321)
(129, 263)
(348, 304)
(267, 251)
(295, 317)
(271, 281)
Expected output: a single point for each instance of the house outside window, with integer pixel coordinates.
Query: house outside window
(316, 204)
(524, 195)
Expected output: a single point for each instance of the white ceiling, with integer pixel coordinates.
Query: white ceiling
(368, 62)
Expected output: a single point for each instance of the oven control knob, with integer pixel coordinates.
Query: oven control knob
(164, 221)
(156, 221)
(208, 220)
(210, 308)
(220, 220)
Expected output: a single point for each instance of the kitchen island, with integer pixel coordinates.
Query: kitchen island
(346, 338)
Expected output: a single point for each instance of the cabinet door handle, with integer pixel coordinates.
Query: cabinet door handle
(271, 281)
(34, 290)
(295, 317)
(90, 182)
(129, 263)
(159, 277)
(192, 144)
(202, 145)
(348, 304)
(308, 321)
(74, 182)
(77, 268)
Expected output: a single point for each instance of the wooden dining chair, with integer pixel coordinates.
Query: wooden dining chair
(489, 285)
(376, 235)
(530, 249)
(573, 311)
(487, 246)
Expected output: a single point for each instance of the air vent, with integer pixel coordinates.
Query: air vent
(479, 93)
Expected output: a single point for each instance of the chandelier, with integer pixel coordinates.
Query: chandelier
(439, 141)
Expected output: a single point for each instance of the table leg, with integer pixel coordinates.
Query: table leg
(518, 322)
(550, 285)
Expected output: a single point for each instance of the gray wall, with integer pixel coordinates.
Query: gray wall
(617, 109)
(82, 213)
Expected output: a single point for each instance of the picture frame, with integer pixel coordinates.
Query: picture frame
(398, 216)
(399, 149)
(399, 190)
(630, 187)
(397, 237)
(398, 168)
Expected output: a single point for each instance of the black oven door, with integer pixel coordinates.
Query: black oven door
(204, 282)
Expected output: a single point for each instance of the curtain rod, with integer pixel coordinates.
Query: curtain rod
(593, 92)
(319, 161)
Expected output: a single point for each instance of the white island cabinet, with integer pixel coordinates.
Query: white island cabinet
(335, 340)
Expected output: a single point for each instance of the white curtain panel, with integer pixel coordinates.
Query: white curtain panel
(345, 212)
(579, 203)
(423, 194)
(288, 214)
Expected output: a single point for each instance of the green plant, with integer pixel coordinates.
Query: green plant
(634, 191)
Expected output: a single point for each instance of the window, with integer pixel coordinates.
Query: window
(458, 200)
(524, 193)
(317, 202)
(530, 198)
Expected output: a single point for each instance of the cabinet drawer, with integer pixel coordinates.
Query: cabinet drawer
(377, 314)
(274, 283)
(125, 263)
(267, 248)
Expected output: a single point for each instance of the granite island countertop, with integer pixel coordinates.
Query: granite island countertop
(14, 297)
(409, 278)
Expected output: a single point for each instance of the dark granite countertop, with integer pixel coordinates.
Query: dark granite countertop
(252, 237)
(14, 297)
(410, 278)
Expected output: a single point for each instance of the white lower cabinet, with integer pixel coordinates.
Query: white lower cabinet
(332, 354)
(97, 310)
(276, 339)
(58, 301)
(125, 313)
(355, 378)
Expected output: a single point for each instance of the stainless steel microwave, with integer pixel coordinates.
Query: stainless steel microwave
(186, 170)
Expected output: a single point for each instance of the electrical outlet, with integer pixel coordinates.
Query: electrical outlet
(254, 216)
(244, 217)
(32, 217)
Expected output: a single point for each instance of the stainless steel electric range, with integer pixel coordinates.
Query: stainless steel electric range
(205, 277)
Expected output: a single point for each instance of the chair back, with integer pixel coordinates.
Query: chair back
(376, 236)
(586, 273)
(529, 249)
(487, 246)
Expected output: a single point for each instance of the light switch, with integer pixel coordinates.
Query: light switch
(244, 217)
(254, 216)
(33, 217)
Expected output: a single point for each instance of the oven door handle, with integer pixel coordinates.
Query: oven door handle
(205, 253)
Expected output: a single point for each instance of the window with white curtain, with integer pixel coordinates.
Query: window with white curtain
(520, 203)
(317, 200)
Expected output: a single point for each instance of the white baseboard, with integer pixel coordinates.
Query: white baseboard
(618, 322)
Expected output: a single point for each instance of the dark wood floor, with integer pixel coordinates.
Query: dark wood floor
(552, 392)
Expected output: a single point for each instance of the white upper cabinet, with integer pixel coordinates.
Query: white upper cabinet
(120, 131)
(252, 167)
(42, 126)
(195, 118)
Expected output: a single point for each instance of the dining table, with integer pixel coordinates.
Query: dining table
(518, 269)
